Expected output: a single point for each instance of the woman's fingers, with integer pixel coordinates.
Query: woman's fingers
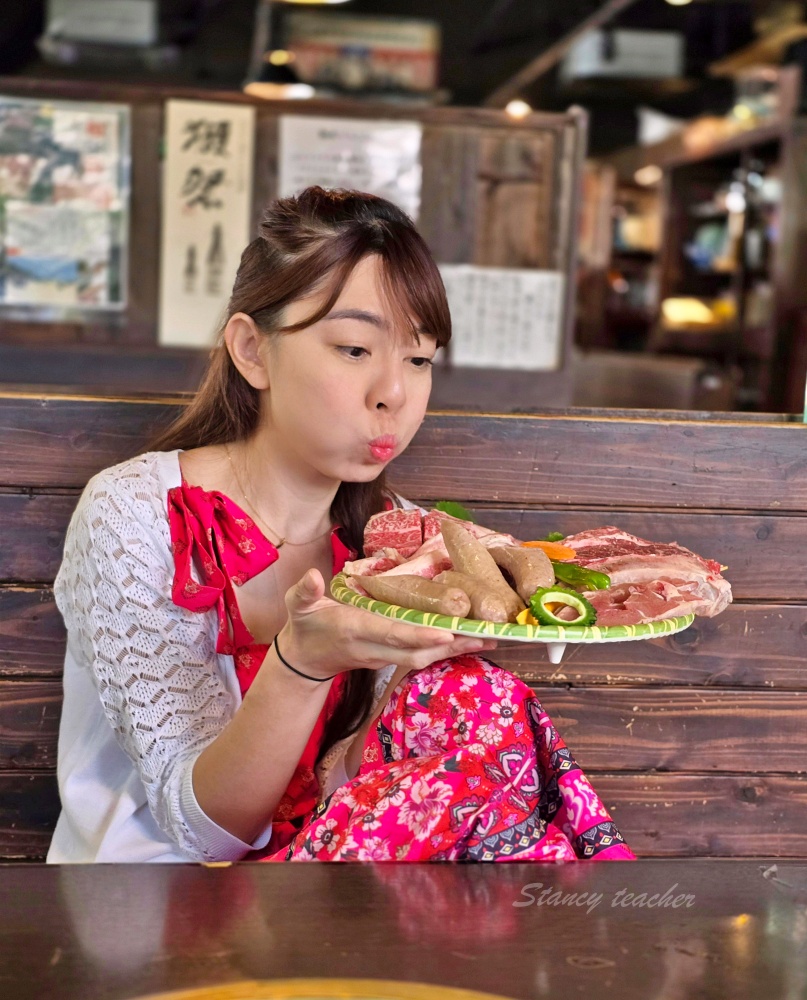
(416, 638)
(307, 594)
(402, 637)
(325, 632)
(376, 655)
(409, 636)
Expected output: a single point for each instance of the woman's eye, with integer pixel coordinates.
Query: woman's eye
(354, 352)
(422, 362)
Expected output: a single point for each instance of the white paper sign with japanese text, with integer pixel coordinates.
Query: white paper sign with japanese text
(380, 157)
(508, 318)
(207, 199)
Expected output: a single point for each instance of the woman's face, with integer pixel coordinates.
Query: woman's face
(347, 394)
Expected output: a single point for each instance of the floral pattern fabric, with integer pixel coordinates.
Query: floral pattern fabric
(463, 764)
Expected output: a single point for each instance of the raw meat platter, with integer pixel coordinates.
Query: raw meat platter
(433, 569)
(512, 632)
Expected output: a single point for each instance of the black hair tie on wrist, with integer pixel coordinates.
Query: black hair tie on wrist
(294, 669)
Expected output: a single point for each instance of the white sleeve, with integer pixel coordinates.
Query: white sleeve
(154, 664)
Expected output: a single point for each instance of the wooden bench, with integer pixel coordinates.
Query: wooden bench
(697, 742)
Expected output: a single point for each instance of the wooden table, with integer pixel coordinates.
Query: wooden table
(731, 929)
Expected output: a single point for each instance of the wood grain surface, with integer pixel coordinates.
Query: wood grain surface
(120, 932)
(697, 741)
(32, 634)
(30, 808)
(757, 646)
(608, 728)
(63, 442)
(548, 460)
(568, 460)
(762, 550)
(661, 815)
(709, 816)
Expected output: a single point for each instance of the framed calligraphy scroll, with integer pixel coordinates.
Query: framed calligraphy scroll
(206, 203)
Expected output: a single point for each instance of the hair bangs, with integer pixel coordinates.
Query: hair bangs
(413, 286)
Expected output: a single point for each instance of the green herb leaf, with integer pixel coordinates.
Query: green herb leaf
(554, 536)
(454, 509)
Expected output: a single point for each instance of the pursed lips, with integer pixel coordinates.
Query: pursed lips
(385, 441)
(383, 448)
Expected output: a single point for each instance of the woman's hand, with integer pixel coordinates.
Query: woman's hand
(323, 637)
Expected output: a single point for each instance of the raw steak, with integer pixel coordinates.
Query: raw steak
(394, 529)
(430, 559)
(663, 580)
(600, 544)
(489, 538)
(426, 559)
(638, 603)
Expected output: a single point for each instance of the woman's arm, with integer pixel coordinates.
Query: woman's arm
(159, 678)
(239, 778)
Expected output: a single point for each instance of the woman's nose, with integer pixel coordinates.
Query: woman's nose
(388, 392)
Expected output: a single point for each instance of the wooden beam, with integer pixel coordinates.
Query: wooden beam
(546, 60)
(765, 51)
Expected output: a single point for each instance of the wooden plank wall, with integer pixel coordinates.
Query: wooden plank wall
(496, 191)
(697, 741)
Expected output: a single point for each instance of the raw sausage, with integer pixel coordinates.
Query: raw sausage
(469, 556)
(487, 604)
(417, 593)
(530, 568)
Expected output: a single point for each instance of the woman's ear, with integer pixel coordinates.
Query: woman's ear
(247, 347)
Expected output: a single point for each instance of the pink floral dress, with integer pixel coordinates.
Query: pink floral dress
(462, 764)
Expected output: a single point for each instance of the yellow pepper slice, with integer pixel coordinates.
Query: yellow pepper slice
(553, 549)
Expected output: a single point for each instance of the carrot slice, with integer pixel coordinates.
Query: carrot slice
(553, 549)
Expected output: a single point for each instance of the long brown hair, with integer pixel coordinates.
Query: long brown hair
(309, 243)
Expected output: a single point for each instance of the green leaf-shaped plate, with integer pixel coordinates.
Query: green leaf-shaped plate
(514, 633)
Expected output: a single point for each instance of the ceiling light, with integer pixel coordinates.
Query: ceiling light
(279, 57)
(270, 91)
(518, 109)
(649, 175)
(277, 80)
(270, 74)
(678, 3)
(735, 201)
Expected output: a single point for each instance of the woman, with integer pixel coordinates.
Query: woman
(218, 704)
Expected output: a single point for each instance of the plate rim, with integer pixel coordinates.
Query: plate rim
(325, 987)
(508, 631)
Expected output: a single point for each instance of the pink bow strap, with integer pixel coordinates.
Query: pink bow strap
(209, 532)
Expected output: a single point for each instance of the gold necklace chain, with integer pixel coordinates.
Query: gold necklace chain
(283, 541)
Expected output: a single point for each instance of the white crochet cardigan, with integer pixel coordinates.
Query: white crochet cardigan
(144, 689)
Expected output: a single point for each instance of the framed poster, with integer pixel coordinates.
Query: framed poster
(359, 53)
(505, 317)
(207, 198)
(64, 207)
(380, 157)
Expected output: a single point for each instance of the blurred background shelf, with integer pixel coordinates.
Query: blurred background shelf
(720, 226)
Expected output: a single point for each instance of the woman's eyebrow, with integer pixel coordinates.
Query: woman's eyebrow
(360, 314)
(369, 317)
